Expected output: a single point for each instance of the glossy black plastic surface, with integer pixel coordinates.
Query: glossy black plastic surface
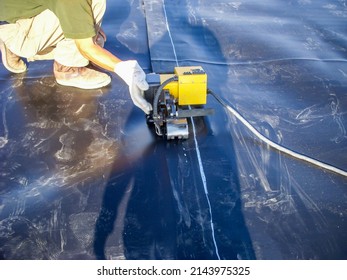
(83, 177)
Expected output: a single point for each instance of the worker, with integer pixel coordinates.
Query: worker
(69, 32)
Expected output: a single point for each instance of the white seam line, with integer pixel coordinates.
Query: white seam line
(204, 182)
(169, 32)
(201, 167)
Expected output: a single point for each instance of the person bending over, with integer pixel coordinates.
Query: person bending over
(68, 31)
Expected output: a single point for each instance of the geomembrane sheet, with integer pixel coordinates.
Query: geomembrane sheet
(82, 176)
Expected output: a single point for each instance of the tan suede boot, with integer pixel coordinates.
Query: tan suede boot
(12, 62)
(80, 77)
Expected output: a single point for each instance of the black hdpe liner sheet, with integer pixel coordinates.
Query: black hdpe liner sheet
(83, 177)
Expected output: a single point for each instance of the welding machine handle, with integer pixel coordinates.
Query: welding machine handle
(133, 75)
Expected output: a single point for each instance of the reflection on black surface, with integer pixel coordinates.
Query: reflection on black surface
(83, 177)
(56, 143)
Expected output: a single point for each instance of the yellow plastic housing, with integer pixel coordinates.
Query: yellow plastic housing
(191, 87)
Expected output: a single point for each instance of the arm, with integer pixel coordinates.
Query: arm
(97, 54)
(130, 71)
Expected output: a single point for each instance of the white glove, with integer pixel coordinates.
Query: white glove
(133, 75)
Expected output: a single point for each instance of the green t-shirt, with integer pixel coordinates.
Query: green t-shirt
(75, 16)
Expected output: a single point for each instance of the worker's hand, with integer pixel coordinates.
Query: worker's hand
(133, 75)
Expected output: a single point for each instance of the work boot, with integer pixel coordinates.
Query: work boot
(12, 62)
(80, 77)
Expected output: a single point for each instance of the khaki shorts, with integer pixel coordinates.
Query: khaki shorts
(41, 38)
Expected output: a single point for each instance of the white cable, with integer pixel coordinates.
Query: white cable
(277, 146)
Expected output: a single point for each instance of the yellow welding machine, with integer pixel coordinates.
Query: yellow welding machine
(191, 87)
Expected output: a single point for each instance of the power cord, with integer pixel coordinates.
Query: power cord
(275, 145)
